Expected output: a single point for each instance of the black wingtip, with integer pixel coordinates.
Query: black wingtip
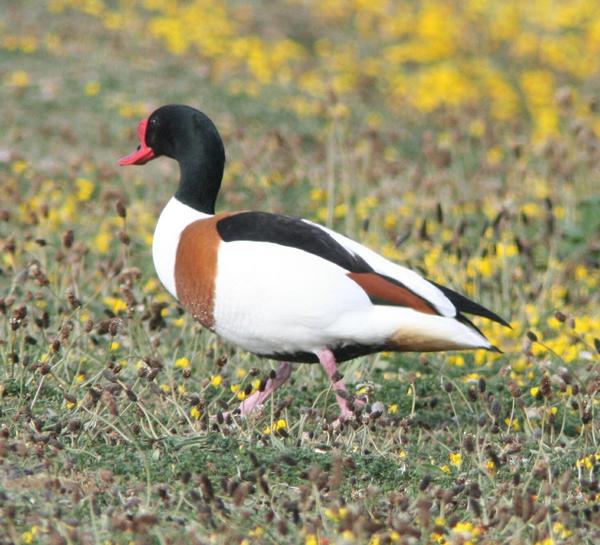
(493, 348)
(494, 317)
(466, 305)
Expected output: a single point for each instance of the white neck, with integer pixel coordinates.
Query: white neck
(174, 218)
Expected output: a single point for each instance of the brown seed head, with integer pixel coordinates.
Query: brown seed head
(532, 336)
(514, 389)
(68, 238)
(73, 301)
(545, 386)
(560, 316)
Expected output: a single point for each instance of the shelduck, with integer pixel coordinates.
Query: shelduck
(283, 287)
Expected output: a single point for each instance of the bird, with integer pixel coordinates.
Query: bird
(283, 287)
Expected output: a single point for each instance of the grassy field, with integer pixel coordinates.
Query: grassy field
(458, 138)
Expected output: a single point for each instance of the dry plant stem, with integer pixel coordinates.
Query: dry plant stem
(37, 392)
(110, 425)
(511, 417)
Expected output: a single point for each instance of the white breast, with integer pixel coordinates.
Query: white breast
(174, 218)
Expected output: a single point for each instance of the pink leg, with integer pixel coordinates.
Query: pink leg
(327, 361)
(254, 401)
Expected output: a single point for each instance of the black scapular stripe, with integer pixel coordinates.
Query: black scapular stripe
(292, 232)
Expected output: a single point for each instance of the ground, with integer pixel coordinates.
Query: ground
(458, 138)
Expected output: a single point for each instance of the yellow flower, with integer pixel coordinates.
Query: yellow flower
(471, 377)
(165, 388)
(18, 79)
(317, 195)
(457, 360)
(115, 304)
(29, 536)
(102, 241)
(466, 529)
(19, 166)
(256, 532)
(281, 424)
(311, 539)
(506, 249)
(534, 391)
(455, 459)
(340, 211)
(494, 155)
(182, 363)
(485, 267)
(516, 426)
(195, 413)
(85, 189)
(393, 408)
(151, 285)
(532, 209)
(560, 529)
(92, 88)
(477, 127)
(216, 380)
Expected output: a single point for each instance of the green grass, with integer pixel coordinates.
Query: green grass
(106, 438)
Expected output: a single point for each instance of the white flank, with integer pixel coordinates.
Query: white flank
(274, 299)
(174, 218)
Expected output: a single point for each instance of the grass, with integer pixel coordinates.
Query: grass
(111, 396)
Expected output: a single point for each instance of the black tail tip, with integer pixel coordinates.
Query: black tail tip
(493, 348)
(505, 323)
